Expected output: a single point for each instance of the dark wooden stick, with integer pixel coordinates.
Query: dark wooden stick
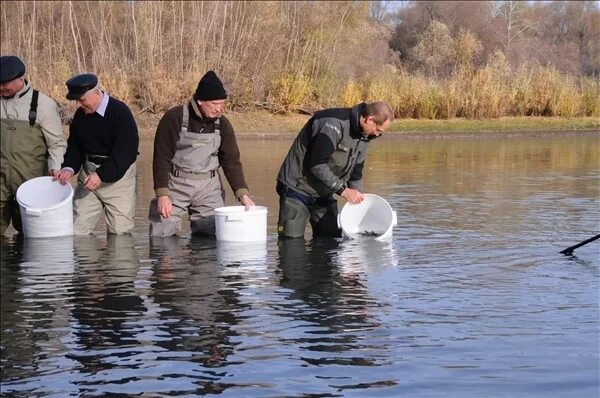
(569, 250)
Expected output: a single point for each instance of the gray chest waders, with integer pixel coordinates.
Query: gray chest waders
(196, 153)
(194, 183)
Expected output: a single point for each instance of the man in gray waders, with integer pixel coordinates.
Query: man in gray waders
(102, 147)
(32, 137)
(327, 158)
(191, 143)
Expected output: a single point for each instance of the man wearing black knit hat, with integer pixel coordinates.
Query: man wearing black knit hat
(191, 143)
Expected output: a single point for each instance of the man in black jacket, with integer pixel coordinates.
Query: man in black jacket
(327, 157)
(103, 144)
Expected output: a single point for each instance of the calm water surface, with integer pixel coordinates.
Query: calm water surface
(470, 299)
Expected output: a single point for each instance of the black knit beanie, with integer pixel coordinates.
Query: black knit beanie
(210, 88)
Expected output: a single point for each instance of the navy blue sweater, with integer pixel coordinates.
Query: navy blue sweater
(114, 135)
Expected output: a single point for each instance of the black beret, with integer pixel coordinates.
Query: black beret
(210, 88)
(11, 67)
(80, 84)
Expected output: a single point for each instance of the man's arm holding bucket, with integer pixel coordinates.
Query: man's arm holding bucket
(322, 147)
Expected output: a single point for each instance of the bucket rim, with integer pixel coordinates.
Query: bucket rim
(53, 207)
(239, 209)
(372, 195)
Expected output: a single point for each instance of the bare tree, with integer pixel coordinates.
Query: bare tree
(513, 20)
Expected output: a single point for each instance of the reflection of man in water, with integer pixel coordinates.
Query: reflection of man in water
(105, 300)
(194, 299)
(336, 300)
(36, 276)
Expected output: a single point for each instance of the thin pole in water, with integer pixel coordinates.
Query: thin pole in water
(569, 250)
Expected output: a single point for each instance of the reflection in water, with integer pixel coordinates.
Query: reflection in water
(471, 298)
(366, 255)
(331, 301)
(35, 295)
(242, 253)
(105, 303)
(197, 310)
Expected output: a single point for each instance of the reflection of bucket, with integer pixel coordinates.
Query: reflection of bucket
(241, 252)
(46, 208)
(47, 267)
(236, 224)
(366, 255)
(373, 217)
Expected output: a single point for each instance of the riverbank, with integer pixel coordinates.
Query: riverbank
(261, 124)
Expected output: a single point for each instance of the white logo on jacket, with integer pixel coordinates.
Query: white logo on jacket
(334, 128)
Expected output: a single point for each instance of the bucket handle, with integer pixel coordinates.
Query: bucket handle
(33, 212)
(232, 217)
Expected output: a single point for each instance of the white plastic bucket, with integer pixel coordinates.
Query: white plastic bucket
(236, 224)
(373, 218)
(46, 208)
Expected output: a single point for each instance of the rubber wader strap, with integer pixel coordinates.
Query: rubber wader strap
(33, 108)
(218, 126)
(186, 119)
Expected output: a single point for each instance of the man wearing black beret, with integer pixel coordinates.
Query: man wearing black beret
(32, 137)
(102, 147)
(191, 143)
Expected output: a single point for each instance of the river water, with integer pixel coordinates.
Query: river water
(470, 298)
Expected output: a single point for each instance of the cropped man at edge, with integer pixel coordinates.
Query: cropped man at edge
(32, 137)
(102, 147)
(327, 158)
(192, 141)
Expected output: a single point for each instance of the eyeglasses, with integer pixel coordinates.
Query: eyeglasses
(378, 127)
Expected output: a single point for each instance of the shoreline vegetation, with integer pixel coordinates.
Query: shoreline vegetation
(444, 67)
(263, 124)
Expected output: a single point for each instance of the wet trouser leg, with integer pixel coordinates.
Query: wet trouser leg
(9, 208)
(6, 211)
(293, 217)
(86, 210)
(119, 203)
(323, 218)
(116, 199)
(199, 197)
(180, 193)
(4, 215)
(209, 196)
(163, 227)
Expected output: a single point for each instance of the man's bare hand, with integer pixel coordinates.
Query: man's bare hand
(164, 206)
(247, 201)
(92, 182)
(63, 176)
(352, 195)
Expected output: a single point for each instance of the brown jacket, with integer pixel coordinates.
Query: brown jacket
(166, 137)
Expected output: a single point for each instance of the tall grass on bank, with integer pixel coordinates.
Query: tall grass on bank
(287, 56)
(490, 92)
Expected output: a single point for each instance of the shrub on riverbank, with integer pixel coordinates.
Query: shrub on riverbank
(286, 57)
(491, 92)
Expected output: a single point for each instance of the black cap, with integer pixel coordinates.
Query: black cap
(80, 84)
(210, 88)
(11, 67)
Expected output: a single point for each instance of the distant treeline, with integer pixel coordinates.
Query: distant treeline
(426, 58)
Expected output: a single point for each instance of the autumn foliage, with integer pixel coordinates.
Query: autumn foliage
(299, 56)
